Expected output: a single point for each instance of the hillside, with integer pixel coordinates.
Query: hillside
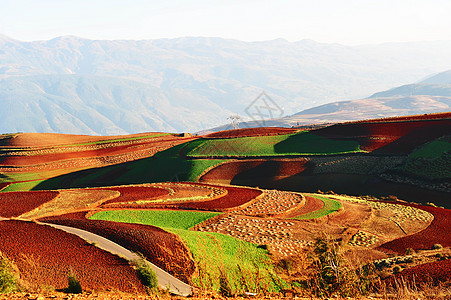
(432, 95)
(231, 213)
(80, 86)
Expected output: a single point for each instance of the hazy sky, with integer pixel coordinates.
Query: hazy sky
(349, 22)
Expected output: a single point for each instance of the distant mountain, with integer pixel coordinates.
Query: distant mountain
(432, 95)
(74, 85)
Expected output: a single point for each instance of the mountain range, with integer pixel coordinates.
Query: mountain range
(74, 85)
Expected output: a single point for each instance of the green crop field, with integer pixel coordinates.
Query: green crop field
(329, 207)
(244, 265)
(432, 160)
(303, 143)
(172, 219)
(433, 149)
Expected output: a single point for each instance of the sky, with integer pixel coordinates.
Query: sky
(347, 22)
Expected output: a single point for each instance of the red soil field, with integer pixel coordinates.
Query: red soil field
(13, 204)
(45, 257)
(245, 132)
(103, 150)
(160, 247)
(236, 196)
(134, 193)
(438, 232)
(435, 273)
(54, 139)
(433, 116)
(256, 168)
(311, 204)
(389, 137)
(3, 185)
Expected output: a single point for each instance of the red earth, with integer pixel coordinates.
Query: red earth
(102, 150)
(236, 196)
(46, 256)
(256, 168)
(429, 273)
(134, 193)
(54, 139)
(438, 232)
(13, 204)
(390, 136)
(160, 247)
(311, 204)
(246, 132)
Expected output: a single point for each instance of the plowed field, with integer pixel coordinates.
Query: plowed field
(245, 132)
(255, 168)
(45, 256)
(430, 273)
(162, 248)
(437, 233)
(13, 204)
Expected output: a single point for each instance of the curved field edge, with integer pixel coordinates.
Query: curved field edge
(162, 248)
(303, 143)
(49, 254)
(158, 218)
(244, 265)
(436, 233)
(330, 206)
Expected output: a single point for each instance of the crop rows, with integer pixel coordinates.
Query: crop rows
(247, 132)
(436, 233)
(273, 202)
(71, 200)
(275, 233)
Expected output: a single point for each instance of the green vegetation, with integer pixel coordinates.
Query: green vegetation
(146, 274)
(432, 160)
(434, 149)
(329, 207)
(223, 261)
(172, 219)
(303, 143)
(74, 286)
(333, 275)
(8, 279)
(22, 186)
(228, 264)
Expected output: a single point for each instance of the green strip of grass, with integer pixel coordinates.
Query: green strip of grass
(172, 219)
(434, 149)
(22, 186)
(329, 207)
(303, 143)
(219, 258)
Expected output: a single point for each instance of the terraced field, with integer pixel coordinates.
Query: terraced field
(142, 192)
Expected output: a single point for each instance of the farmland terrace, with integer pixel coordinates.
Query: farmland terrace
(232, 212)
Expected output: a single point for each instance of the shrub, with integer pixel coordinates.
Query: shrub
(74, 286)
(397, 269)
(8, 280)
(437, 247)
(335, 277)
(409, 251)
(146, 274)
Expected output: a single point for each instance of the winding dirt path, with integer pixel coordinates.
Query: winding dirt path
(165, 280)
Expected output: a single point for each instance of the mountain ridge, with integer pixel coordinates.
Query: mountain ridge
(193, 75)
